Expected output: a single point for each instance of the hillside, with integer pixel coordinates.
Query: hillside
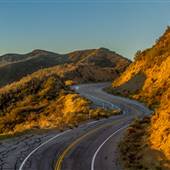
(152, 69)
(90, 62)
(42, 100)
(14, 66)
(148, 79)
(94, 66)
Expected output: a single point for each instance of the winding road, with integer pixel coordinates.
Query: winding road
(91, 146)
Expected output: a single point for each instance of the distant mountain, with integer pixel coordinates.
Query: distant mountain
(43, 99)
(93, 66)
(10, 58)
(15, 66)
(148, 79)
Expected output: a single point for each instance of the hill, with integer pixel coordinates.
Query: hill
(148, 79)
(14, 66)
(96, 64)
(42, 100)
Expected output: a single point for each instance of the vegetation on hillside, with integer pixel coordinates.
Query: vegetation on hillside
(82, 66)
(43, 100)
(153, 88)
(154, 65)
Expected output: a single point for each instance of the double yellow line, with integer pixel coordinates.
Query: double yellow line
(72, 145)
(61, 158)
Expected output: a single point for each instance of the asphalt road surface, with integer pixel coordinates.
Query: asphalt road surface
(91, 146)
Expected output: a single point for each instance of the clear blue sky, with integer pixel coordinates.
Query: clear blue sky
(63, 26)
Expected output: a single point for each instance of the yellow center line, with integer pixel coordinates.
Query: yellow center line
(61, 158)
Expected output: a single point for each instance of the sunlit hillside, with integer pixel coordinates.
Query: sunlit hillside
(83, 66)
(42, 100)
(152, 69)
(148, 79)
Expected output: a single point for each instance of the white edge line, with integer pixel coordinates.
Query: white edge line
(54, 137)
(99, 148)
(90, 123)
(32, 152)
(60, 134)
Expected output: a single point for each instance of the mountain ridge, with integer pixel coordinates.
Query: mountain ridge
(14, 67)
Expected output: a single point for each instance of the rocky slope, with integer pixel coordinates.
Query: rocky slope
(148, 79)
(95, 65)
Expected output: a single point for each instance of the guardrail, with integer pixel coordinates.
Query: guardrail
(102, 103)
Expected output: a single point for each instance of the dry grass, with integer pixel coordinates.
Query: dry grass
(154, 63)
(43, 100)
(136, 152)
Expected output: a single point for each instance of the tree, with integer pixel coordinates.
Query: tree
(137, 54)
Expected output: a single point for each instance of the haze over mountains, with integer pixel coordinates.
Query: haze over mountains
(83, 66)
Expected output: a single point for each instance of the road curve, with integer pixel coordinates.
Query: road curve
(101, 150)
(91, 146)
